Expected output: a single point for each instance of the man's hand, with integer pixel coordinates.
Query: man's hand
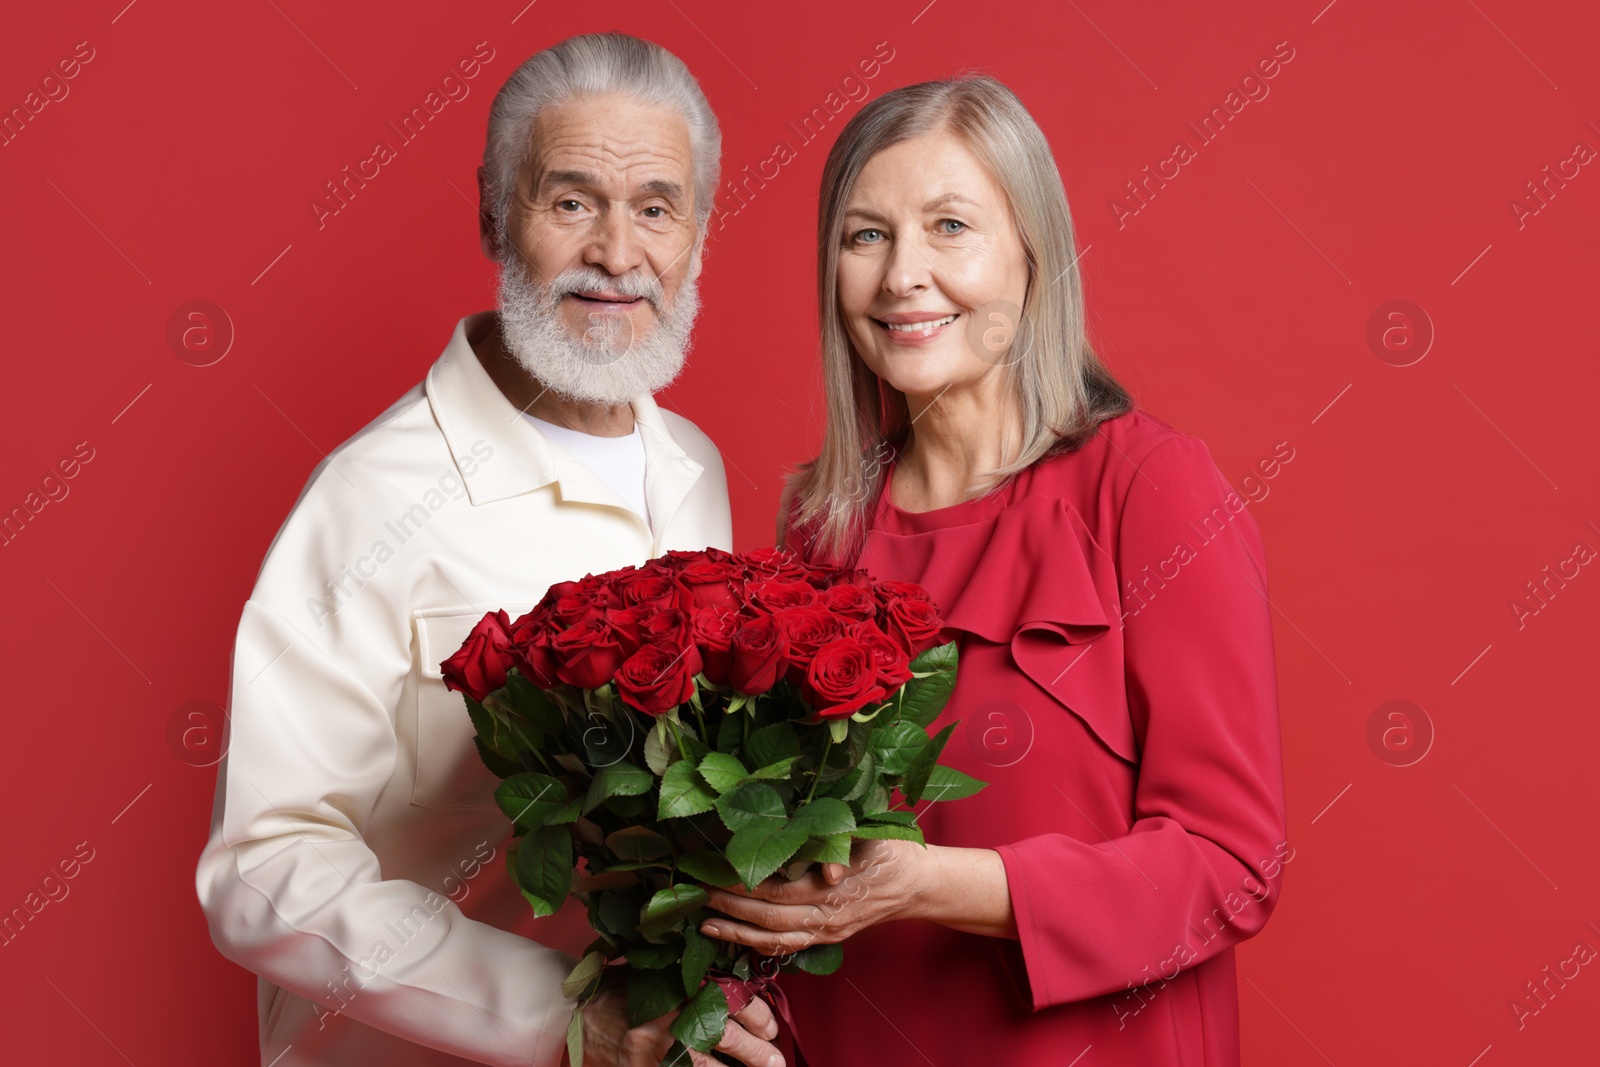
(609, 1042)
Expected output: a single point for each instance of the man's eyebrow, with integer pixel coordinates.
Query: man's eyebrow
(658, 186)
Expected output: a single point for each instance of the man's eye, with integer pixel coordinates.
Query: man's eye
(959, 225)
(563, 205)
(660, 211)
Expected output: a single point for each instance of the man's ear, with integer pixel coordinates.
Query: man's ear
(697, 254)
(486, 234)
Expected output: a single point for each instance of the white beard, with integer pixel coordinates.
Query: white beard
(607, 365)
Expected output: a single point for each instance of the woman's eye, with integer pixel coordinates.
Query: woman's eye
(956, 223)
(866, 237)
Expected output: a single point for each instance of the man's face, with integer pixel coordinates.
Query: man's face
(598, 278)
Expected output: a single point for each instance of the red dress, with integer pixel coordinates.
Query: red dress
(1117, 691)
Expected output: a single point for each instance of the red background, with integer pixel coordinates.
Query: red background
(1381, 166)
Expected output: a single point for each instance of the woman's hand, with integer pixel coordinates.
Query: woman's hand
(963, 888)
(885, 880)
(609, 1042)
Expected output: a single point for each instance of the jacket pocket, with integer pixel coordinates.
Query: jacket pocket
(449, 771)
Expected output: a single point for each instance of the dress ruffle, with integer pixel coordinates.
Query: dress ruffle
(1030, 576)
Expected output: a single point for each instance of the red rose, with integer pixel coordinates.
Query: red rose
(851, 601)
(805, 630)
(629, 624)
(713, 630)
(479, 666)
(772, 563)
(778, 594)
(666, 626)
(842, 679)
(530, 646)
(588, 654)
(915, 624)
(757, 655)
(650, 588)
(890, 591)
(710, 584)
(894, 667)
(578, 606)
(676, 559)
(656, 679)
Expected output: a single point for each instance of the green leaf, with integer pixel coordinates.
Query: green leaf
(762, 848)
(832, 849)
(749, 805)
(772, 743)
(947, 783)
(923, 698)
(493, 736)
(638, 844)
(668, 906)
(820, 959)
(889, 830)
(659, 751)
(823, 817)
(498, 765)
(654, 957)
(701, 1022)
(587, 970)
(897, 745)
(575, 1037)
(916, 777)
(721, 771)
(651, 994)
(780, 769)
(712, 868)
(532, 704)
(618, 779)
(544, 868)
(615, 912)
(529, 799)
(902, 818)
(698, 950)
(684, 792)
(856, 781)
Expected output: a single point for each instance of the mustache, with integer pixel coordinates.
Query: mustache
(587, 279)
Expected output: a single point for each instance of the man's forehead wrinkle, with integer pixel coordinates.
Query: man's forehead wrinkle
(611, 152)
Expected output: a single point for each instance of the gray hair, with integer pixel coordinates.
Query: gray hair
(591, 64)
(1062, 388)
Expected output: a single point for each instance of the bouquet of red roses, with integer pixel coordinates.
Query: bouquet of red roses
(704, 719)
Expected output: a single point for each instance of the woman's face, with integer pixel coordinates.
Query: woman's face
(932, 273)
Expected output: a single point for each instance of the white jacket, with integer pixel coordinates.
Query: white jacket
(357, 859)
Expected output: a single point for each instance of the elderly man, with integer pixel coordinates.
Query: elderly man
(357, 859)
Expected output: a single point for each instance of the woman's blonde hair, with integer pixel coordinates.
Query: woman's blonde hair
(1063, 389)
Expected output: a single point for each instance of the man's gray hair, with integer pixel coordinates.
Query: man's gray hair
(595, 63)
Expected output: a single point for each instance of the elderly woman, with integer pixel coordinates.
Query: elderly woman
(1107, 589)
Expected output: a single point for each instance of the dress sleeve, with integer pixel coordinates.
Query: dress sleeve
(1200, 868)
(293, 892)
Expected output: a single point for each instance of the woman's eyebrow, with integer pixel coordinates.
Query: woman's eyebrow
(949, 198)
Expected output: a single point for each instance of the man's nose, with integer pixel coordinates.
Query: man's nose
(614, 244)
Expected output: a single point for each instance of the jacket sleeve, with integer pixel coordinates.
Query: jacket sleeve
(1200, 867)
(293, 892)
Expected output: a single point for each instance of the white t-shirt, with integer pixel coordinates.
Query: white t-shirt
(619, 461)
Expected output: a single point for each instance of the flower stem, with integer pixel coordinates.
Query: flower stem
(817, 777)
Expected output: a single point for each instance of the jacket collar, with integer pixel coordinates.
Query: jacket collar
(470, 408)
